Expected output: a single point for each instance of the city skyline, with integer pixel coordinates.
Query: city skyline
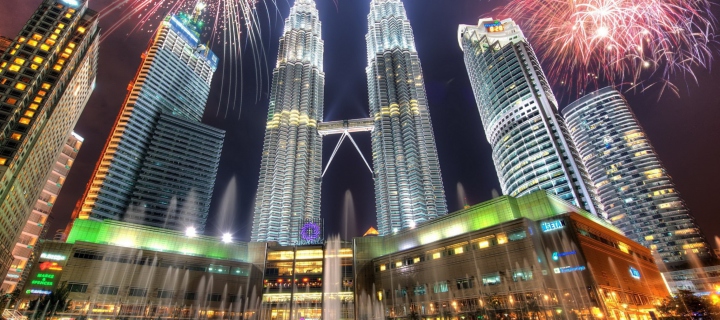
(443, 81)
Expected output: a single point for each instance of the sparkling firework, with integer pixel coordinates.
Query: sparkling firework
(631, 42)
(228, 26)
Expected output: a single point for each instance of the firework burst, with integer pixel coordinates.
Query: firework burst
(630, 42)
(230, 26)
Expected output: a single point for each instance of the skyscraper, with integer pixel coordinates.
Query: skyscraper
(634, 188)
(531, 148)
(36, 225)
(159, 163)
(289, 185)
(408, 184)
(46, 77)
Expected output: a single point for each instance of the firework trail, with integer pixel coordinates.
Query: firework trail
(628, 42)
(233, 27)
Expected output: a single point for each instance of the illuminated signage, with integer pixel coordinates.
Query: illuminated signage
(47, 265)
(569, 269)
(42, 279)
(37, 291)
(635, 273)
(552, 225)
(494, 26)
(557, 255)
(52, 256)
(72, 3)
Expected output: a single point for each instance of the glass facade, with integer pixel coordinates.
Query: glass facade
(634, 188)
(46, 77)
(408, 184)
(145, 174)
(290, 171)
(531, 148)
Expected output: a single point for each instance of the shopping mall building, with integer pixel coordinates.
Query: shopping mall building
(531, 256)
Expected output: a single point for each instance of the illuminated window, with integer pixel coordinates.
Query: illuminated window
(50, 42)
(53, 36)
(24, 120)
(46, 86)
(383, 267)
(20, 86)
(68, 51)
(648, 238)
(34, 66)
(56, 30)
(436, 255)
(623, 247)
(484, 244)
(3, 161)
(416, 259)
(502, 238)
(459, 250)
(3, 64)
(38, 60)
(42, 93)
(71, 45)
(14, 67)
(37, 36)
(19, 60)
(398, 264)
(44, 47)
(15, 136)
(81, 29)
(32, 43)
(33, 106)
(21, 39)
(29, 113)
(61, 62)
(37, 99)
(12, 101)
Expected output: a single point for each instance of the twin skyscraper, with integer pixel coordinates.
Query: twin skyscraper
(408, 185)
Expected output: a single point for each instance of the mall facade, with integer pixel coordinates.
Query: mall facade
(530, 256)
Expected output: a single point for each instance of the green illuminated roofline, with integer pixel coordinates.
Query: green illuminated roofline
(535, 206)
(136, 236)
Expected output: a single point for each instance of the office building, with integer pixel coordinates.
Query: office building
(288, 192)
(159, 164)
(634, 188)
(408, 184)
(46, 78)
(28, 243)
(531, 148)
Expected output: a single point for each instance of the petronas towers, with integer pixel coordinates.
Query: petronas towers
(289, 186)
(408, 185)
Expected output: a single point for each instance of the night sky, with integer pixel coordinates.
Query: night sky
(684, 130)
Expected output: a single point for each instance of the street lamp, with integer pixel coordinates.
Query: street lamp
(190, 232)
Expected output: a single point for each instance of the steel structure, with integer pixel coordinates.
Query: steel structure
(531, 148)
(634, 188)
(408, 184)
(289, 185)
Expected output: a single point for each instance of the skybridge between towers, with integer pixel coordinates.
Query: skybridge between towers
(345, 127)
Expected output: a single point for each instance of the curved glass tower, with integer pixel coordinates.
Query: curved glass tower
(531, 147)
(290, 171)
(408, 185)
(634, 188)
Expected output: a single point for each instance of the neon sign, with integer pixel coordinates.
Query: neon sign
(42, 279)
(569, 269)
(557, 255)
(52, 256)
(37, 291)
(47, 265)
(635, 273)
(494, 26)
(552, 225)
